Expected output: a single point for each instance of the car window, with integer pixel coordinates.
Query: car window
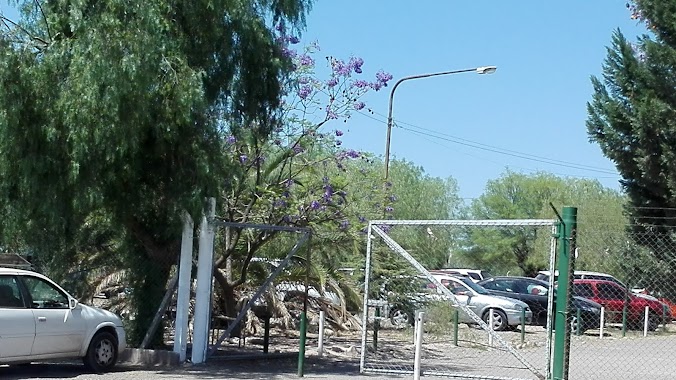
(10, 295)
(505, 286)
(474, 275)
(486, 274)
(535, 289)
(583, 290)
(44, 294)
(610, 292)
(542, 277)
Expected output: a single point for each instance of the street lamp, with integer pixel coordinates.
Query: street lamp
(478, 70)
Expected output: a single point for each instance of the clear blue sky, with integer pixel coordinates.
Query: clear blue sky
(535, 103)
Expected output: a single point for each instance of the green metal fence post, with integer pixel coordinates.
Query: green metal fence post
(561, 336)
(376, 327)
(301, 348)
(456, 316)
(624, 320)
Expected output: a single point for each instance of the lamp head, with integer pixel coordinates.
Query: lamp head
(486, 69)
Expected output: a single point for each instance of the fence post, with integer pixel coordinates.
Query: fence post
(562, 334)
(419, 317)
(376, 327)
(456, 322)
(320, 344)
(205, 270)
(184, 284)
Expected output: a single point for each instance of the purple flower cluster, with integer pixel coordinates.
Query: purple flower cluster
(306, 61)
(330, 113)
(231, 139)
(359, 106)
(350, 153)
(304, 91)
(381, 80)
(243, 158)
(344, 225)
(339, 132)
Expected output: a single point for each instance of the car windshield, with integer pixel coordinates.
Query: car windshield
(470, 284)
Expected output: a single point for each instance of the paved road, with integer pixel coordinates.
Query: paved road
(275, 369)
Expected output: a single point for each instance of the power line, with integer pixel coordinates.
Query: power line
(490, 148)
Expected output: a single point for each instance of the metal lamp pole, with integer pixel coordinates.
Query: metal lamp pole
(478, 70)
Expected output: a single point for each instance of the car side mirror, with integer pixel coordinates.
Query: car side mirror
(72, 303)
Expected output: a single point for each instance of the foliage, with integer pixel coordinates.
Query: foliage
(118, 108)
(632, 116)
(525, 250)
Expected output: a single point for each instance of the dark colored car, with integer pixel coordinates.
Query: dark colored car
(534, 292)
(614, 298)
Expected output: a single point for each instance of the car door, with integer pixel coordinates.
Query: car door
(58, 329)
(464, 295)
(612, 297)
(17, 326)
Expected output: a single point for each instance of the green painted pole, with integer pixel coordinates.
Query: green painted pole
(523, 325)
(456, 316)
(301, 348)
(376, 327)
(664, 318)
(562, 332)
(579, 322)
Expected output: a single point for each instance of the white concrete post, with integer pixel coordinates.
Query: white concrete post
(646, 320)
(320, 347)
(205, 269)
(603, 319)
(183, 297)
(418, 343)
(491, 321)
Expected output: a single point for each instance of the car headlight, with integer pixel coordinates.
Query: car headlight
(518, 308)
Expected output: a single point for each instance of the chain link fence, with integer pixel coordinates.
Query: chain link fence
(467, 330)
(630, 271)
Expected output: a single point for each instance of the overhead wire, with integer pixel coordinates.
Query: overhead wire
(481, 146)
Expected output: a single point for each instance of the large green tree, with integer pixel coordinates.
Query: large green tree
(120, 108)
(525, 250)
(632, 116)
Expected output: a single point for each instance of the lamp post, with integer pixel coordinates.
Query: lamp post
(478, 70)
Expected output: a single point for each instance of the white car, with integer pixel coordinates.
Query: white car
(41, 321)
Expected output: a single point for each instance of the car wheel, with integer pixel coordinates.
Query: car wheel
(499, 319)
(102, 353)
(400, 318)
(574, 322)
(653, 322)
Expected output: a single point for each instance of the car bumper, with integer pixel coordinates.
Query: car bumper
(121, 338)
(514, 317)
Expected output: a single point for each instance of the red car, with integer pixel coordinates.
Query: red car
(613, 297)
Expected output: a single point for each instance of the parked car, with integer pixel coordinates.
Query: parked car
(506, 311)
(41, 321)
(613, 297)
(535, 293)
(475, 274)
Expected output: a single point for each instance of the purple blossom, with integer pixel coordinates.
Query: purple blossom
(393, 198)
(362, 219)
(360, 83)
(339, 143)
(293, 40)
(332, 82)
(356, 63)
(344, 224)
(231, 139)
(325, 179)
(383, 77)
(340, 68)
(288, 53)
(359, 106)
(288, 182)
(243, 158)
(353, 153)
(304, 91)
(389, 209)
(297, 149)
(315, 205)
(286, 194)
(306, 60)
(376, 86)
(304, 80)
(280, 203)
(339, 132)
(278, 142)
